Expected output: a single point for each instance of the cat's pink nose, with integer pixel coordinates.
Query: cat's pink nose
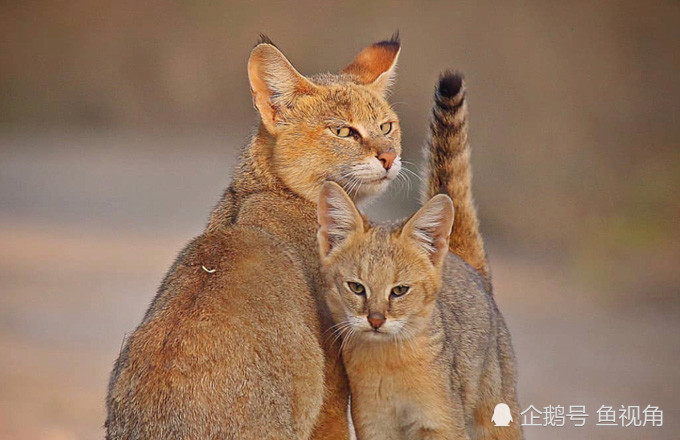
(386, 159)
(376, 319)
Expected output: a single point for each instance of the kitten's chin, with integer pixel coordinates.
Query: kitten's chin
(381, 336)
(390, 330)
(372, 335)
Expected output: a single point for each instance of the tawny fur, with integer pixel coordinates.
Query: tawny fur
(243, 352)
(449, 172)
(443, 358)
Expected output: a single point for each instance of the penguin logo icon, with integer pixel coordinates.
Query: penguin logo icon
(501, 415)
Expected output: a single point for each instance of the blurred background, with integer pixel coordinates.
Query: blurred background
(120, 122)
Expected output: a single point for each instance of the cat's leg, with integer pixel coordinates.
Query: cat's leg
(508, 391)
(429, 434)
(497, 385)
(376, 431)
(440, 417)
(374, 421)
(444, 429)
(484, 429)
(333, 422)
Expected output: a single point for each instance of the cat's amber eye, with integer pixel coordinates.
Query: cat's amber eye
(386, 128)
(342, 132)
(400, 290)
(356, 288)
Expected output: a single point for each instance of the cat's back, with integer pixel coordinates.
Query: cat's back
(234, 298)
(461, 282)
(463, 302)
(215, 267)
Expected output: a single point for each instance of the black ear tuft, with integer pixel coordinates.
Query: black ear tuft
(394, 41)
(264, 40)
(450, 84)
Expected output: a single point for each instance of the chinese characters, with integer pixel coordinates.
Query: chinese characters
(576, 415)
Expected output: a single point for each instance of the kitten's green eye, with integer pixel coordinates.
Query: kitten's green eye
(342, 132)
(400, 290)
(356, 288)
(386, 128)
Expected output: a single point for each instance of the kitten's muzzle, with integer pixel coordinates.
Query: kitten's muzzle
(376, 319)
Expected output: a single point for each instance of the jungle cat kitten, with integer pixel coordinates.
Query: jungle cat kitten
(425, 348)
(232, 346)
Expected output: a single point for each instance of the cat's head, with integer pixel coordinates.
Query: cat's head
(336, 127)
(381, 281)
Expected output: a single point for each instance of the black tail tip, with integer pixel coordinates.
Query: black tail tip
(450, 84)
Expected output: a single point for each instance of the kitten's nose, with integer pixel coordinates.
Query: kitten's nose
(376, 319)
(387, 159)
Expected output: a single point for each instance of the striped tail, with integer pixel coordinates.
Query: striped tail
(449, 171)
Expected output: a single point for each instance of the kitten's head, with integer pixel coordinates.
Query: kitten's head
(336, 127)
(381, 282)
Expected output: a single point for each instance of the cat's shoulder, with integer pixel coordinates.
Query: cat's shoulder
(290, 219)
(457, 272)
(463, 287)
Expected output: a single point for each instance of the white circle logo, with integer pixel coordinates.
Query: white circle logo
(501, 415)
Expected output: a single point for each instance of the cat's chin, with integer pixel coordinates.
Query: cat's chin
(381, 336)
(369, 190)
(373, 335)
(381, 333)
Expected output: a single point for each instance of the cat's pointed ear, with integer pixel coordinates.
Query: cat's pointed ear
(376, 65)
(430, 227)
(338, 218)
(274, 82)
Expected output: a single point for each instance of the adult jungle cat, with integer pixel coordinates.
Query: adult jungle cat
(233, 344)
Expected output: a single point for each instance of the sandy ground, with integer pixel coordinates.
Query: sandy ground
(90, 223)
